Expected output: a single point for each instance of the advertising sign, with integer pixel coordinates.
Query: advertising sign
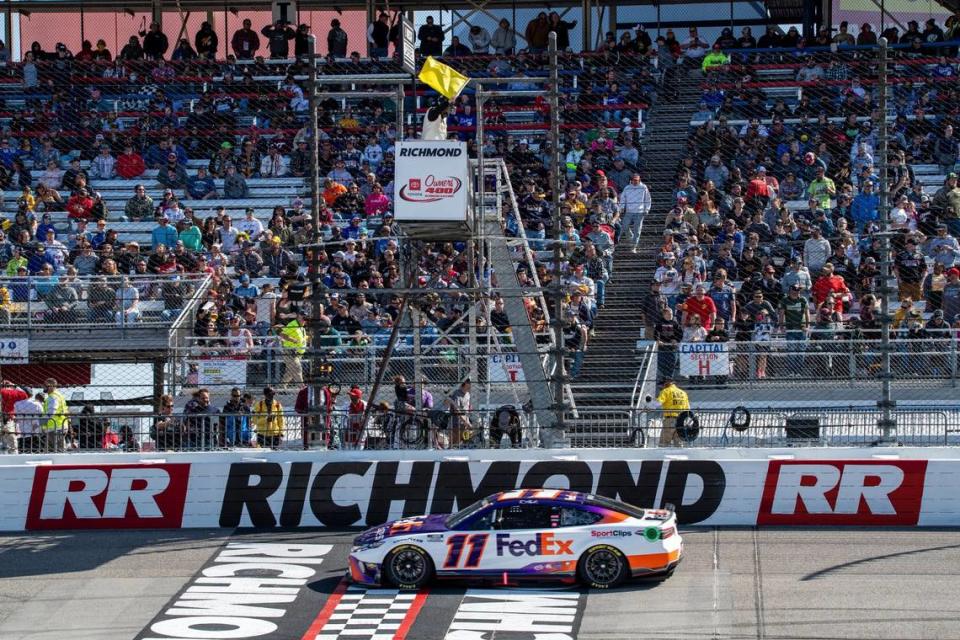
(431, 181)
(221, 371)
(14, 350)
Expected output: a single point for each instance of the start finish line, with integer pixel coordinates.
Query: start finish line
(704, 359)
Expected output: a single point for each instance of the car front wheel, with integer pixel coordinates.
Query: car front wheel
(602, 567)
(408, 567)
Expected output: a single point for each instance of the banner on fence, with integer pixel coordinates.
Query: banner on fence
(504, 367)
(221, 371)
(14, 350)
(704, 359)
(431, 181)
(293, 489)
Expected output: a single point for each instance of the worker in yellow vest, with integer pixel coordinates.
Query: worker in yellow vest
(268, 420)
(673, 401)
(56, 418)
(293, 340)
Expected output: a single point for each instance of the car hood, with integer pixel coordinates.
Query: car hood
(406, 526)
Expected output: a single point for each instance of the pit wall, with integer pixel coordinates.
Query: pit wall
(782, 487)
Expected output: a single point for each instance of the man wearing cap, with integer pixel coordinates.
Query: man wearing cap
(268, 420)
(951, 293)
(947, 203)
(172, 175)
(276, 258)
(293, 340)
(163, 233)
(220, 160)
(672, 400)
(248, 260)
(943, 247)
(910, 268)
(864, 208)
(56, 418)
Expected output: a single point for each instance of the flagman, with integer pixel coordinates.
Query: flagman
(449, 83)
(435, 122)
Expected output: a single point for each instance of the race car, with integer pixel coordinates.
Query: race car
(525, 533)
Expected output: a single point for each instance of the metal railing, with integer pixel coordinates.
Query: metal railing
(219, 430)
(64, 302)
(504, 427)
(817, 357)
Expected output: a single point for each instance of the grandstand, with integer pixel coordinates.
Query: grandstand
(761, 163)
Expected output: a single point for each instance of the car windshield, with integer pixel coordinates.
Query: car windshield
(462, 516)
(616, 505)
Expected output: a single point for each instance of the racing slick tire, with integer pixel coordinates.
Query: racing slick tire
(408, 567)
(602, 567)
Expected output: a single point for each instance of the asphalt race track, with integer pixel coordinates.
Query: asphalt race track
(734, 583)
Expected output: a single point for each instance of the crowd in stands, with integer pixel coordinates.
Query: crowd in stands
(774, 229)
(737, 262)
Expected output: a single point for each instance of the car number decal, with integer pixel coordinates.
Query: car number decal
(455, 544)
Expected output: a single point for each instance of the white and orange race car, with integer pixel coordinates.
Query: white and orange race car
(526, 533)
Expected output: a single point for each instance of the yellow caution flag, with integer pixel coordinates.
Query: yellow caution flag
(444, 79)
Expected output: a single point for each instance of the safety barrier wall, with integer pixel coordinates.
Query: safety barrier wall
(830, 486)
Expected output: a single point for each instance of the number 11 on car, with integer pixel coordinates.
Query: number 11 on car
(477, 542)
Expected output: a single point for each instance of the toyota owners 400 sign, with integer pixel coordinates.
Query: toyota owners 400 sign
(431, 181)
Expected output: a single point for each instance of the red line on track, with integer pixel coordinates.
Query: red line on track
(411, 616)
(324, 616)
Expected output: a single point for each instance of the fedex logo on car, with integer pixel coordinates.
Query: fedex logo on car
(108, 497)
(834, 492)
(543, 544)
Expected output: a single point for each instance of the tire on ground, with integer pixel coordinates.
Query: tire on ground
(602, 567)
(400, 567)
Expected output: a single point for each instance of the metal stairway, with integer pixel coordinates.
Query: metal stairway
(612, 361)
(490, 207)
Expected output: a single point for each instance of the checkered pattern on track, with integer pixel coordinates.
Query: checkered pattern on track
(367, 614)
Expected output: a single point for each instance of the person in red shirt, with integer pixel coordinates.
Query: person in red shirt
(130, 163)
(702, 305)
(758, 191)
(10, 394)
(354, 433)
(80, 205)
(829, 283)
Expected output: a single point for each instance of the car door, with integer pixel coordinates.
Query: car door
(464, 549)
(529, 539)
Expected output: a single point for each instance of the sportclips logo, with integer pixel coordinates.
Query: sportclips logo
(430, 188)
(863, 492)
(335, 494)
(108, 497)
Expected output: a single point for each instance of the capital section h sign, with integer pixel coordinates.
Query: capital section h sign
(704, 359)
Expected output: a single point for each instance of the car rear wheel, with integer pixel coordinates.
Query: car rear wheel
(408, 567)
(602, 567)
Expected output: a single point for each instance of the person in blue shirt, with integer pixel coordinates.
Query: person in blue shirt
(354, 229)
(36, 258)
(245, 289)
(201, 186)
(724, 297)
(46, 224)
(7, 154)
(864, 207)
(163, 233)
